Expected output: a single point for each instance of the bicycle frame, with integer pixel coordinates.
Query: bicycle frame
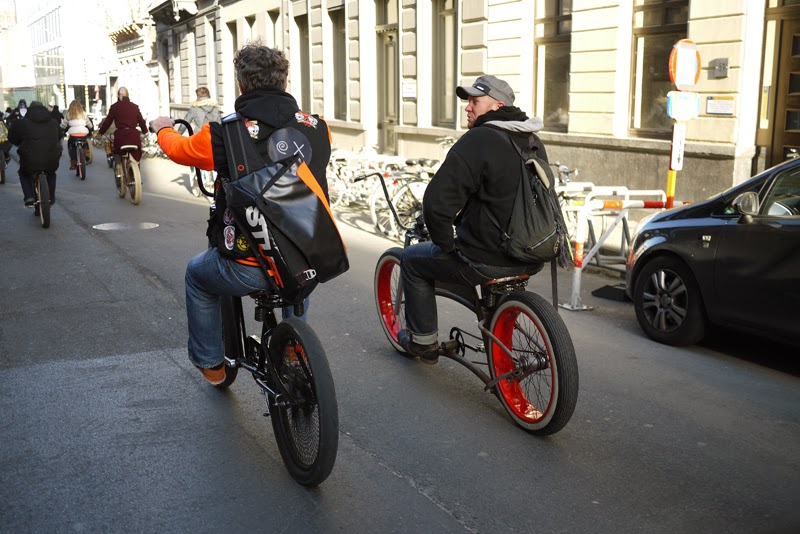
(479, 304)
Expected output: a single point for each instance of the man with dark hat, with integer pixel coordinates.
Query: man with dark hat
(480, 175)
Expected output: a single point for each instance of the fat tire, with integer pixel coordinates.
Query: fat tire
(43, 197)
(670, 279)
(543, 402)
(386, 284)
(133, 180)
(309, 466)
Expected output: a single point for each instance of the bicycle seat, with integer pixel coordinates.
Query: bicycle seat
(129, 147)
(507, 284)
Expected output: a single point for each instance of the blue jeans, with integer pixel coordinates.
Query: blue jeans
(208, 276)
(421, 266)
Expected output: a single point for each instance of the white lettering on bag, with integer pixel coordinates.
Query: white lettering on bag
(258, 226)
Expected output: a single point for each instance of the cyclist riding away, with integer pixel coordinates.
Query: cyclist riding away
(480, 174)
(201, 111)
(38, 139)
(126, 116)
(79, 127)
(228, 267)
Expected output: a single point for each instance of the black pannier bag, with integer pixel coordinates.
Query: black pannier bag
(283, 211)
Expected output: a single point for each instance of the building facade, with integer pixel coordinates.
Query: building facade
(383, 73)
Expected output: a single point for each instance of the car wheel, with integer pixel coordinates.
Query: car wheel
(668, 304)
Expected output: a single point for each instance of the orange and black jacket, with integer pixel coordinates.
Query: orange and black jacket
(265, 111)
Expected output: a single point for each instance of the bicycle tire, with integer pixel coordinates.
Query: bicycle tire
(80, 163)
(2, 167)
(43, 200)
(133, 180)
(307, 433)
(336, 191)
(390, 305)
(408, 204)
(119, 178)
(542, 402)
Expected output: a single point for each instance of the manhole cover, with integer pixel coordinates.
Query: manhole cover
(125, 226)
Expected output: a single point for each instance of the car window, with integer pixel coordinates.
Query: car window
(783, 198)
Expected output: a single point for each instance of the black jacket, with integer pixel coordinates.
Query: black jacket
(38, 139)
(481, 172)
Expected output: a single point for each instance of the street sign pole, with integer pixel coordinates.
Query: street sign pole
(682, 105)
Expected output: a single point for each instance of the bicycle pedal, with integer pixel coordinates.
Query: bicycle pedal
(450, 345)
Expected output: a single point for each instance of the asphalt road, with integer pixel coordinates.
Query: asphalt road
(107, 427)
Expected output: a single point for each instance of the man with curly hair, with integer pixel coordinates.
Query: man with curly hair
(228, 268)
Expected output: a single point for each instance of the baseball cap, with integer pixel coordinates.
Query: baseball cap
(488, 85)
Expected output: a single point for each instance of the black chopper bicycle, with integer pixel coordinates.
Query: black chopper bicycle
(289, 364)
(532, 367)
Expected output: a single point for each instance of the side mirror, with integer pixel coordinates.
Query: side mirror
(747, 205)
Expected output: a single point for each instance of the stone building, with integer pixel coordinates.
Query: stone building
(384, 72)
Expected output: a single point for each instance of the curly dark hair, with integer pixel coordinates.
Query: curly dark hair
(261, 67)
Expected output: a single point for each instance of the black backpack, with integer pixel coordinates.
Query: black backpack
(287, 222)
(536, 231)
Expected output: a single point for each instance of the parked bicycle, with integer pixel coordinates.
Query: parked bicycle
(532, 367)
(289, 365)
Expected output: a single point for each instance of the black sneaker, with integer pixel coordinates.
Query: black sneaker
(428, 354)
(29, 202)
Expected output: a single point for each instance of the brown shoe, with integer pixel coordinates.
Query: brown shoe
(72, 164)
(214, 375)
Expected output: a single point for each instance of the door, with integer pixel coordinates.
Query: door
(757, 267)
(786, 136)
(388, 88)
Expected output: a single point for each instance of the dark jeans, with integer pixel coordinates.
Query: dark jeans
(425, 263)
(26, 181)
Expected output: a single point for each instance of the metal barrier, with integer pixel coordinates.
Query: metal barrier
(618, 208)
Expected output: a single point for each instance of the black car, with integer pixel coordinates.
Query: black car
(732, 260)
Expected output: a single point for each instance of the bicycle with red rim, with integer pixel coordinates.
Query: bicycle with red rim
(522, 341)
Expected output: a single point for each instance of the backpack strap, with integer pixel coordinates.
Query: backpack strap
(240, 150)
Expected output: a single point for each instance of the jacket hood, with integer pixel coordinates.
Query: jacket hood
(510, 119)
(207, 104)
(38, 113)
(272, 107)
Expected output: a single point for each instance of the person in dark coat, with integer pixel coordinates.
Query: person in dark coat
(126, 116)
(39, 147)
(17, 113)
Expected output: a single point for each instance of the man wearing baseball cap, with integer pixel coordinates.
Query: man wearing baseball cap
(480, 175)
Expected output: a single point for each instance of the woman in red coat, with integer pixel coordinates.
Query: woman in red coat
(126, 116)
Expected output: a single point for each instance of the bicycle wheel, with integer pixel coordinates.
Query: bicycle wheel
(389, 297)
(80, 164)
(540, 401)
(408, 204)
(2, 167)
(306, 424)
(336, 190)
(119, 178)
(381, 215)
(133, 180)
(43, 200)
